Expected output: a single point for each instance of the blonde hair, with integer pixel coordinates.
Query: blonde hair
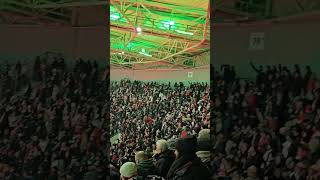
(162, 144)
(140, 156)
(204, 134)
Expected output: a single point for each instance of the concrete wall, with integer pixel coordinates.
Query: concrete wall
(286, 43)
(26, 41)
(164, 75)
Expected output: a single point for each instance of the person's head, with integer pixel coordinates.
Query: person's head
(252, 171)
(308, 68)
(128, 171)
(261, 68)
(203, 140)
(161, 146)
(140, 156)
(204, 134)
(186, 146)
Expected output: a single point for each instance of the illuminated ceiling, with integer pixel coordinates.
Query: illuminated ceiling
(171, 32)
(174, 33)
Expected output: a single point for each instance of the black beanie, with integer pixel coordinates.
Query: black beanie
(187, 145)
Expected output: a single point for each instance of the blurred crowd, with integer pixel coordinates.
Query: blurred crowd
(267, 127)
(53, 125)
(53, 121)
(152, 118)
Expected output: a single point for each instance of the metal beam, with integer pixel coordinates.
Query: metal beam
(152, 33)
(72, 4)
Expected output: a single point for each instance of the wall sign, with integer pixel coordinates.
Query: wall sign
(256, 41)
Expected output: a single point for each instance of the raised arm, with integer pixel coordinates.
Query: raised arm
(254, 67)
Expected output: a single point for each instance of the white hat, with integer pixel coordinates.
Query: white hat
(128, 169)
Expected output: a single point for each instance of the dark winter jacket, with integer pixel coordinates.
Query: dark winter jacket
(146, 168)
(188, 167)
(164, 162)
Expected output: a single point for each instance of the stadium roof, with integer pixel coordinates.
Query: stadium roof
(160, 33)
(153, 33)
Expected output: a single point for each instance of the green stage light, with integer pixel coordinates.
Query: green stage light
(171, 23)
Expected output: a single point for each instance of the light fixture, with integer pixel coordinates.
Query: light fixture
(139, 30)
(114, 17)
(183, 32)
(149, 55)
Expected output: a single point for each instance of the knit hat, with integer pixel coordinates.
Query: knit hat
(187, 145)
(128, 169)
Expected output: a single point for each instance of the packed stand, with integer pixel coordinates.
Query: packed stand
(266, 128)
(53, 121)
(158, 124)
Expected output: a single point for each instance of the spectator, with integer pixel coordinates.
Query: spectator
(128, 171)
(46, 120)
(187, 165)
(163, 157)
(204, 147)
(144, 164)
(269, 123)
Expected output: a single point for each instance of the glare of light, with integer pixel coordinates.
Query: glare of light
(139, 30)
(143, 50)
(114, 17)
(183, 32)
(171, 23)
(149, 55)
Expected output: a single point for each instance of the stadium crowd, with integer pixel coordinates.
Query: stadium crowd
(54, 125)
(53, 121)
(266, 128)
(155, 120)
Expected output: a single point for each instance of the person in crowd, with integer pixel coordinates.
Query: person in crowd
(188, 165)
(144, 164)
(129, 171)
(145, 112)
(252, 173)
(53, 126)
(114, 171)
(266, 127)
(163, 158)
(204, 147)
